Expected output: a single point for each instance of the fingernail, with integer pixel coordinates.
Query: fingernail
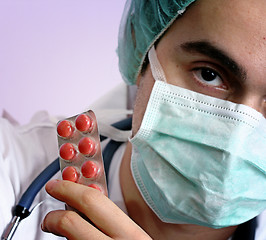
(43, 228)
(51, 184)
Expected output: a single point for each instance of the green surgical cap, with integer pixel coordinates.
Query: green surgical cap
(143, 22)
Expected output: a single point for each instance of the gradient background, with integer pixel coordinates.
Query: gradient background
(57, 55)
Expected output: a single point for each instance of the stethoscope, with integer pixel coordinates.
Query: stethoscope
(22, 209)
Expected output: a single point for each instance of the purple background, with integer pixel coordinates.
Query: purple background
(57, 55)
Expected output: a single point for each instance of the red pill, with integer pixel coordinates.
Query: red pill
(95, 187)
(84, 123)
(87, 146)
(67, 151)
(65, 129)
(70, 174)
(89, 169)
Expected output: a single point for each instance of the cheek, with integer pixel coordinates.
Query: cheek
(142, 98)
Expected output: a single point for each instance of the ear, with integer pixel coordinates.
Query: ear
(138, 80)
(143, 70)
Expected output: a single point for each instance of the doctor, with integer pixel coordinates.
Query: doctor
(195, 166)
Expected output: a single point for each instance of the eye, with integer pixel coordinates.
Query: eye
(208, 76)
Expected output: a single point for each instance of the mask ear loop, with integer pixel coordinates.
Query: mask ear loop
(156, 67)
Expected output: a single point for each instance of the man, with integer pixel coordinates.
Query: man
(216, 48)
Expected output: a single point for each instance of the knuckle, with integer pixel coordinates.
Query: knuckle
(64, 184)
(88, 196)
(67, 220)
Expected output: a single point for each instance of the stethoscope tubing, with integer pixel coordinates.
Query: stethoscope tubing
(28, 197)
(22, 209)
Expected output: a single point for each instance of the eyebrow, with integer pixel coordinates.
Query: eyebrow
(211, 51)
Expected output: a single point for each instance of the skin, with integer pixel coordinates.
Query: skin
(211, 34)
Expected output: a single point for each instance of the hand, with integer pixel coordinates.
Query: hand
(109, 221)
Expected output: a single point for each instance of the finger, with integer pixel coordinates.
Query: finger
(99, 209)
(70, 225)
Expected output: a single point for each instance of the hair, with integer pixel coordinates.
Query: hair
(143, 22)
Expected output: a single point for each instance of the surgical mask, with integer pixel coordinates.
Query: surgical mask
(197, 159)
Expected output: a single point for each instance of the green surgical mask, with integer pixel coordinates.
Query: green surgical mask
(198, 159)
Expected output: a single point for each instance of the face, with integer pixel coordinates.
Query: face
(217, 48)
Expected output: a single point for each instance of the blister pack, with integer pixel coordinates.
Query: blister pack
(80, 151)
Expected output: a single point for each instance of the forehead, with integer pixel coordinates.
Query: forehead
(235, 18)
(236, 26)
